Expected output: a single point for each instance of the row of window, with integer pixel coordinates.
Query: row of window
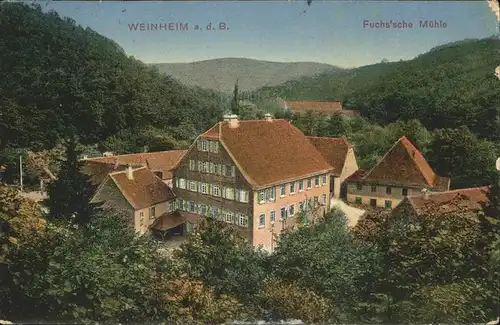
(212, 211)
(225, 192)
(269, 194)
(388, 189)
(210, 167)
(207, 145)
(373, 202)
(289, 211)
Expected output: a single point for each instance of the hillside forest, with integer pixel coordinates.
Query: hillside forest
(66, 90)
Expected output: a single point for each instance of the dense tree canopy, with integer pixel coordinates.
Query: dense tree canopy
(449, 86)
(59, 79)
(326, 258)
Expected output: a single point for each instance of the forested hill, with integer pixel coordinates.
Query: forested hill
(449, 86)
(329, 85)
(59, 79)
(220, 74)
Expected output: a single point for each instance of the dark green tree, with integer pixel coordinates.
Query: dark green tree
(326, 258)
(101, 273)
(70, 195)
(335, 126)
(467, 159)
(235, 102)
(223, 260)
(104, 93)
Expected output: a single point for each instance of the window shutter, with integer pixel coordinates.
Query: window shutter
(198, 144)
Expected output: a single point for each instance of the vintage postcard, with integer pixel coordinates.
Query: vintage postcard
(230, 162)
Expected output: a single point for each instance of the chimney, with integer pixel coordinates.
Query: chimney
(130, 172)
(232, 120)
(268, 117)
(425, 193)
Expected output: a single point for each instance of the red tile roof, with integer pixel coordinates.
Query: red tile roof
(318, 106)
(144, 190)
(98, 171)
(350, 112)
(269, 152)
(324, 107)
(403, 164)
(334, 150)
(162, 161)
(357, 175)
(173, 219)
(449, 201)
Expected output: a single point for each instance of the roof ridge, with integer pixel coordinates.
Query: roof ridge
(240, 168)
(413, 152)
(344, 138)
(122, 192)
(95, 159)
(382, 159)
(401, 141)
(124, 171)
(315, 100)
(316, 137)
(458, 191)
(257, 120)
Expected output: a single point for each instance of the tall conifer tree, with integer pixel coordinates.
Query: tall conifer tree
(70, 195)
(235, 103)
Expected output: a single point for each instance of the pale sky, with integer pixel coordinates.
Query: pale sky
(287, 31)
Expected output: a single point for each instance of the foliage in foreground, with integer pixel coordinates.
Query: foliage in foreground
(432, 269)
(326, 258)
